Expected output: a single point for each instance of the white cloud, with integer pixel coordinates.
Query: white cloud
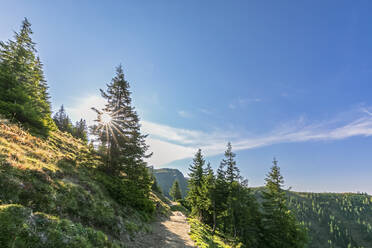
(205, 111)
(367, 111)
(241, 102)
(82, 108)
(169, 143)
(166, 152)
(215, 143)
(184, 114)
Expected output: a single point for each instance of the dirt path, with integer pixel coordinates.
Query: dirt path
(172, 233)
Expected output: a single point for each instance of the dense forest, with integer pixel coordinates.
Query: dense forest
(69, 185)
(338, 220)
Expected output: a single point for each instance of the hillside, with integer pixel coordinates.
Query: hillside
(51, 195)
(165, 178)
(334, 220)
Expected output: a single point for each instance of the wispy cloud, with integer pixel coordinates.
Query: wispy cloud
(81, 108)
(205, 111)
(188, 141)
(170, 143)
(367, 111)
(184, 114)
(241, 102)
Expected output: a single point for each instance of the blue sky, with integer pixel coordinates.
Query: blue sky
(290, 79)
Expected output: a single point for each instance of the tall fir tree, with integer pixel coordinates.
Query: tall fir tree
(221, 195)
(232, 176)
(281, 229)
(23, 90)
(195, 193)
(209, 195)
(175, 191)
(122, 144)
(232, 171)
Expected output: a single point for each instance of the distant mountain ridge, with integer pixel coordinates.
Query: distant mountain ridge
(165, 178)
(333, 220)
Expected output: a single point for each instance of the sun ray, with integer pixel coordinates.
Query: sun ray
(114, 126)
(107, 135)
(113, 135)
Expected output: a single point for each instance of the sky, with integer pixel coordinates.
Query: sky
(284, 79)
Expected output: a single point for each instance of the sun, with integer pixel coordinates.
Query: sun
(106, 118)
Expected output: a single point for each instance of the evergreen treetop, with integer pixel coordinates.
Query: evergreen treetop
(232, 172)
(175, 191)
(23, 90)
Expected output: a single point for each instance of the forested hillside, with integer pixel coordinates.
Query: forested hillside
(333, 219)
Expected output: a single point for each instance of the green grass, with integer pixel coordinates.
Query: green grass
(203, 237)
(178, 207)
(59, 179)
(20, 227)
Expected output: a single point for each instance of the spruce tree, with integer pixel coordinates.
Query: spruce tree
(195, 185)
(62, 120)
(232, 171)
(209, 192)
(280, 227)
(80, 130)
(155, 186)
(232, 176)
(221, 195)
(122, 144)
(117, 127)
(175, 191)
(23, 90)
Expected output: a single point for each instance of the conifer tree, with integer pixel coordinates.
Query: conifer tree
(195, 185)
(221, 196)
(80, 130)
(209, 192)
(155, 186)
(62, 120)
(175, 191)
(232, 171)
(23, 89)
(280, 227)
(232, 176)
(122, 144)
(118, 129)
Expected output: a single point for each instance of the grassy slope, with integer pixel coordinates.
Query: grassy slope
(50, 191)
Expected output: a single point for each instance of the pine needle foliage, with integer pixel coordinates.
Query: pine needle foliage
(175, 191)
(122, 145)
(24, 94)
(281, 229)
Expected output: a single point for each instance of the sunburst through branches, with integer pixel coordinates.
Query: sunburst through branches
(108, 123)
